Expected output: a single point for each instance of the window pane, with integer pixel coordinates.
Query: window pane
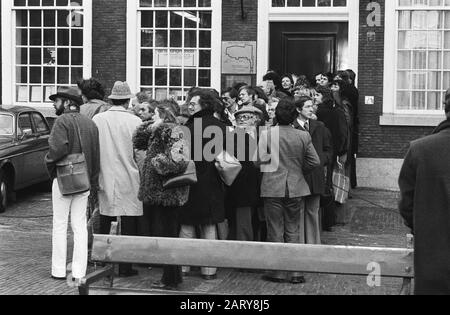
(22, 75)
(403, 80)
(63, 76)
(147, 38)
(434, 101)
(175, 77)
(434, 81)
(404, 60)
(161, 77)
(204, 78)
(35, 75)
(147, 57)
(419, 81)
(40, 124)
(190, 78)
(21, 37)
(418, 100)
(49, 75)
(76, 74)
(146, 77)
(49, 37)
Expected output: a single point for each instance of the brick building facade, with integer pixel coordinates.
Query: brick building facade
(167, 46)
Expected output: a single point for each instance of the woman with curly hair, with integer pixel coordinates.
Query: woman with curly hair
(167, 157)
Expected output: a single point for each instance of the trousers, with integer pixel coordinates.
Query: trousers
(64, 206)
(129, 227)
(309, 222)
(283, 225)
(208, 232)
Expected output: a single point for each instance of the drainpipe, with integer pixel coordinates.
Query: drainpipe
(243, 13)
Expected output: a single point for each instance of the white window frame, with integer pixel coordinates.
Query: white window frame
(9, 56)
(134, 49)
(392, 116)
(267, 14)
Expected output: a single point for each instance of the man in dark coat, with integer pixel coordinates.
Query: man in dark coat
(321, 139)
(206, 205)
(72, 133)
(425, 206)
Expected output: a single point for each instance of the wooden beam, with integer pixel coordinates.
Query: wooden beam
(128, 291)
(397, 263)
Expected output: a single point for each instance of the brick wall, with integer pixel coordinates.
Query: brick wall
(234, 27)
(109, 41)
(378, 141)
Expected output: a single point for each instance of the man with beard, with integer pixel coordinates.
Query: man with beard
(72, 133)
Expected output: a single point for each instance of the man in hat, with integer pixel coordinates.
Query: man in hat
(243, 196)
(119, 173)
(425, 199)
(63, 141)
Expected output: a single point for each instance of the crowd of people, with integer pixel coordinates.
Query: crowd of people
(133, 144)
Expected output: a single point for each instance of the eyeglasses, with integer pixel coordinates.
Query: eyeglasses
(193, 105)
(245, 117)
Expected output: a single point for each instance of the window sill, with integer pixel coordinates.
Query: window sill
(411, 120)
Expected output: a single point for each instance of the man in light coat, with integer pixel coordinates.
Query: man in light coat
(292, 154)
(425, 206)
(119, 174)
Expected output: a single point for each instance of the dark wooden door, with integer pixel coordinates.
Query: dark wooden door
(307, 48)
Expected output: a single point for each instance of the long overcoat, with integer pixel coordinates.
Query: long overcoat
(206, 204)
(321, 139)
(119, 173)
(425, 205)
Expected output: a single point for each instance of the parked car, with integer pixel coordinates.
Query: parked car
(24, 134)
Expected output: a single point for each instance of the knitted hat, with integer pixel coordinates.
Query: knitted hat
(121, 91)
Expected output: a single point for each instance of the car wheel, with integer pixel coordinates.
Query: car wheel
(4, 191)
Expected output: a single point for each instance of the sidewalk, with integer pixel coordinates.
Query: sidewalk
(25, 252)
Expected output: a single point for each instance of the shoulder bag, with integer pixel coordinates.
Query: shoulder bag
(228, 167)
(72, 172)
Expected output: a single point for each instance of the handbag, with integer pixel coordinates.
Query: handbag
(341, 184)
(228, 167)
(72, 172)
(188, 178)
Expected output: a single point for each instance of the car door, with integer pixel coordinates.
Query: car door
(42, 132)
(29, 146)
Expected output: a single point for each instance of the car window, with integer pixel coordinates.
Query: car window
(41, 126)
(24, 124)
(6, 125)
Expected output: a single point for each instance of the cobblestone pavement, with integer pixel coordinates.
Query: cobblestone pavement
(25, 252)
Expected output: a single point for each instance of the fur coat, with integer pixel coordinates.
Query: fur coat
(167, 157)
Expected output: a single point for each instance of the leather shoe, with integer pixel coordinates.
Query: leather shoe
(298, 280)
(59, 278)
(128, 273)
(209, 277)
(275, 280)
